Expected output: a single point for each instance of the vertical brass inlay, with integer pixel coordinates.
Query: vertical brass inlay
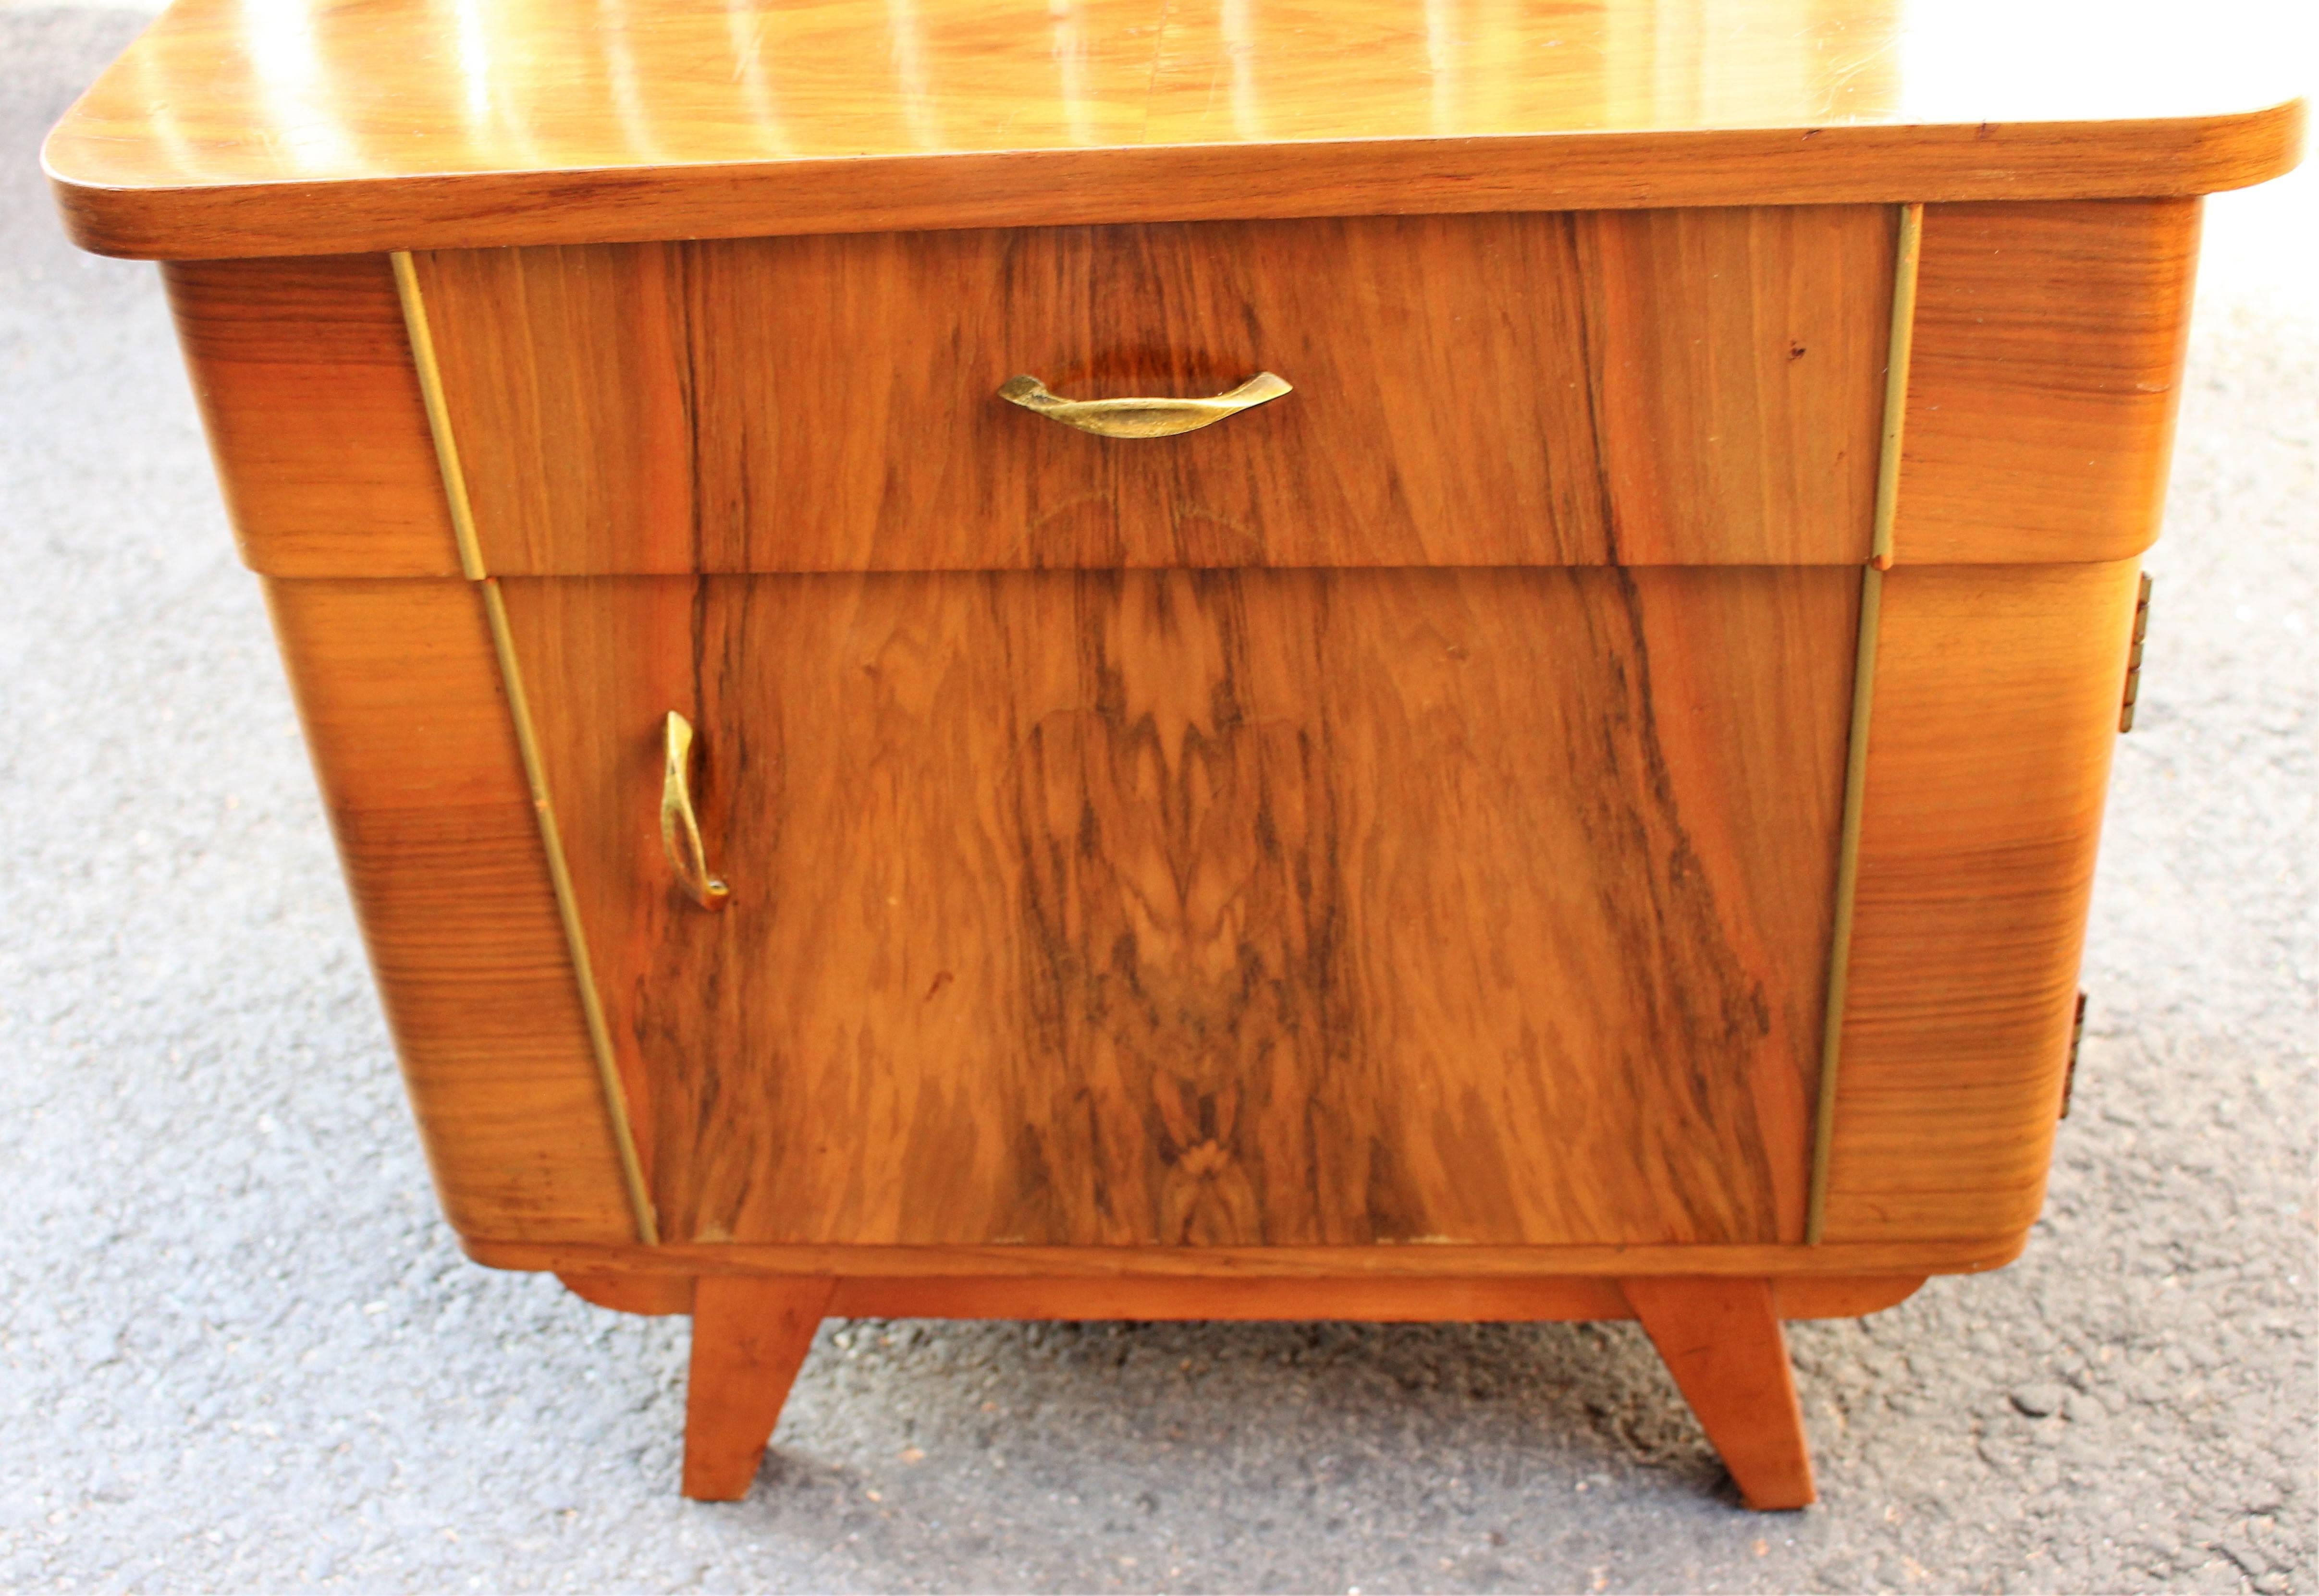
(567, 907)
(575, 936)
(1863, 698)
(1896, 382)
(1848, 877)
(438, 419)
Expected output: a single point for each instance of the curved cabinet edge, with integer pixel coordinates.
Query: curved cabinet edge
(1997, 698)
(1581, 1298)
(1920, 1257)
(2045, 373)
(415, 754)
(172, 217)
(311, 401)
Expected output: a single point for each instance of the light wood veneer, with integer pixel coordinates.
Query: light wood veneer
(1582, 809)
(1996, 695)
(442, 854)
(342, 126)
(2044, 379)
(1434, 1298)
(1255, 979)
(303, 375)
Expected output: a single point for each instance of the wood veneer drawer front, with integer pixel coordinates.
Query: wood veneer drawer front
(1638, 387)
(1279, 907)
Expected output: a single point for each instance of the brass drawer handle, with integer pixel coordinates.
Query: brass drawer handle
(680, 829)
(1140, 418)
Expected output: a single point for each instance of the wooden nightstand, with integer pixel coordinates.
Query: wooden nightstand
(1206, 661)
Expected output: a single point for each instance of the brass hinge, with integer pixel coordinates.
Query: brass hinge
(2070, 1071)
(2133, 656)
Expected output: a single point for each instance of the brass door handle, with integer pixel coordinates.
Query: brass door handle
(680, 828)
(1140, 418)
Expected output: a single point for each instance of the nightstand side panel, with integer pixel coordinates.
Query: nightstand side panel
(1995, 710)
(2044, 379)
(412, 745)
(302, 371)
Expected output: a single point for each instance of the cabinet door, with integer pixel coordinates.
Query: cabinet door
(1219, 907)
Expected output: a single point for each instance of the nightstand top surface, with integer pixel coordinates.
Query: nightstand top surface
(260, 127)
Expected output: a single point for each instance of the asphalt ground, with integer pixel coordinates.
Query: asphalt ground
(239, 1349)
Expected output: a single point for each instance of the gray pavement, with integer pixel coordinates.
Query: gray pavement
(239, 1350)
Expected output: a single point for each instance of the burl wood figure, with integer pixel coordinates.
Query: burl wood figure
(1201, 659)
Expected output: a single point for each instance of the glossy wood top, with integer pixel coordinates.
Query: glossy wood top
(253, 127)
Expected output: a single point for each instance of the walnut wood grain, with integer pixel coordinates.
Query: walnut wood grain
(304, 380)
(2045, 378)
(228, 130)
(1645, 387)
(416, 757)
(1996, 708)
(1369, 1298)
(1289, 908)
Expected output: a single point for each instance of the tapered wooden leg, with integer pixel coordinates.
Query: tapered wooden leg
(749, 1336)
(1722, 1343)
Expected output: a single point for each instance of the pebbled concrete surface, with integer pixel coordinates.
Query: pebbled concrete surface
(238, 1349)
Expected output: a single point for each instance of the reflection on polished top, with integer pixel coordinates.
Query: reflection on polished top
(497, 119)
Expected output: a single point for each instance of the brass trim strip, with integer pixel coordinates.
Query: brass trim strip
(1908, 251)
(1895, 383)
(471, 564)
(438, 418)
(575, 936)
(1847, 881)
